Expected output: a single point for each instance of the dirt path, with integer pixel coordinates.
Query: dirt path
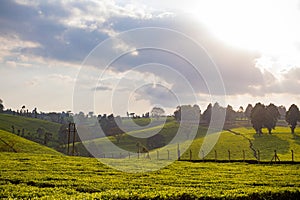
(250, 142)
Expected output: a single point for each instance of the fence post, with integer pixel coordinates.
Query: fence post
(168, 154)
(178, 152)
(202, 155)
(244, 155)
(258, 156)
(215, 156)
(157, 155)
(229, 155)
(275, 155)
(190, 154)
(292, 155)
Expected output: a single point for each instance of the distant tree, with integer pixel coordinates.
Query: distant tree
(1, 106)
(230, 113)
(187, 113)
(292, 116)
(258, 117)
(157, 112)
(63, 134)
(91, 114)
(240, 113)
(207, 113)
(248, 111)
(282, 111)
(271, 117)
(40, 132)
(47, 136)
(34, 112)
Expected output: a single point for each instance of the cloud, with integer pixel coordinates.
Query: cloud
(102, 88)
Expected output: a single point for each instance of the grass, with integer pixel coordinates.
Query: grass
(281, 140)
(10, 142)
(244, 142)
(29, 124)
(56, 177)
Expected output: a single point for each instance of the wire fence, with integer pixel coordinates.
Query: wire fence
(257, 156)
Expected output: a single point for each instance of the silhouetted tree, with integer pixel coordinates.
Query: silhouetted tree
(240, 113)
(157, 112)
(91, 114)
(292, 116)
(207, 113)
(230, 113)
(187, 113)
(282, 111)
(258, 117)
(248, 111)
(271, 117)
(34, 112)
(1, 106)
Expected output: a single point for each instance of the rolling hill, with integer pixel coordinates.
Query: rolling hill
(241, 143)
(13, 143)
(27, 128)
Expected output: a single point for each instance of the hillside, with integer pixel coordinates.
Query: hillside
(30, 126)
(240, 143)
(13, 143)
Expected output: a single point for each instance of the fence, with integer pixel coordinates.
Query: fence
(249, 156)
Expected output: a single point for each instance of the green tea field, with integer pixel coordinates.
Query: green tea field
(62, 177)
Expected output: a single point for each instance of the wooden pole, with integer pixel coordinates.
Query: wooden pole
(74, 138)
(258, 156)
(168, 154)
(229, 155)
(215, 155)
(178, 152)
(69, 133)
(244, 155)
(191, 154)
(292, 155)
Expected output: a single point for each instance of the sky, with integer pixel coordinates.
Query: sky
(117, 56)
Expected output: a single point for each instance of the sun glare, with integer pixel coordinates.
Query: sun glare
(270, 27)
(267, 26)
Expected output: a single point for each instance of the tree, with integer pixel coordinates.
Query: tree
(248, 111)
(1, 105)
(91, 114)
(240, 113)
(207, 113)
(230, 114)
(157, 112)
(271, 117)
(282, 111)
(258, 117)
(292, 116)
(187, 113)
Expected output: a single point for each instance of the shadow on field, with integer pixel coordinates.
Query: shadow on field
(266, 144)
